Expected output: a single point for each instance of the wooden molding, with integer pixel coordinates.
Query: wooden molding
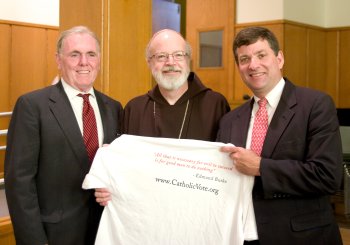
(18, 23)
(294, 23)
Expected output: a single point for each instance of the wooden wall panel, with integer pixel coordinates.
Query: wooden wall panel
(82, 12)
(317, 59)
(51, 39)
(23, 79)
(332, 65)
(5, 47)
(129, 33)
(6, 232)
(344, 69)
(27, 64)
(295, 54)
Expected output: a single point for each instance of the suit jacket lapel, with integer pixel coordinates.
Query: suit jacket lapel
(281, 119)
(240, 125)
(62, 110)
(104, 112)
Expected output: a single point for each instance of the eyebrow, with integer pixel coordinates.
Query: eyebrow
(257, 52)
(79, 52)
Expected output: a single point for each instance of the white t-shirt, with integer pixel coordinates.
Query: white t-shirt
(170, 191)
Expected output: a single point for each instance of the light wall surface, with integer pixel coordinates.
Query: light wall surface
(337, 13)
(45, 12)
(256, 10)
(306, 11)
(323, 13)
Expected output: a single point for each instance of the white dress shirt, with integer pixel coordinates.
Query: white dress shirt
(273, 98)
(77, 105)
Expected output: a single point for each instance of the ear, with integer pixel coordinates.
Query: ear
(58, 61)
(149, 63)
(280, 58)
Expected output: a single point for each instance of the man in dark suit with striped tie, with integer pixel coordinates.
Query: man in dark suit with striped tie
(51, 145)
(297, 162)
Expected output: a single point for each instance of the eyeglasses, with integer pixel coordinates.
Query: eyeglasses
(162, 57)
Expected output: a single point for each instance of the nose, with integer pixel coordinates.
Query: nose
(254, 63)
(170, 60)
(83, 59)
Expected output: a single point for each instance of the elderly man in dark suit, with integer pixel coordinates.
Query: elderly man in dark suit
(297, 162)
(49, 153)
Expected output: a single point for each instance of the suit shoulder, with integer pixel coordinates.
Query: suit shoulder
(107, 98)
(306, 97)
(238, 111)
(310, 95)
(37, 94)
(300, 91)
(309, 91)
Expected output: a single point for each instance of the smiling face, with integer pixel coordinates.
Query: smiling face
(170, 74)
(259, 67)
(79, 61)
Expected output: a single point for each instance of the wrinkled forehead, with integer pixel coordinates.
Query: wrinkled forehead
(258, 45)
(80, 41)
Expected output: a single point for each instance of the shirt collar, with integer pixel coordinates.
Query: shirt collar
(274, 96)
(72, 92)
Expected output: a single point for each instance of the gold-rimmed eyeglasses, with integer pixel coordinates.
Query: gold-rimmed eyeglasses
(162, 57)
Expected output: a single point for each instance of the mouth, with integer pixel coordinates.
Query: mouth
(256, 74)
(83, 72)
(171, 69)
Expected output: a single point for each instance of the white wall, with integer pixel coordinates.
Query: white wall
(337, 13)
(258, 10)
(44, 12)
(323, 13)
(306, 11)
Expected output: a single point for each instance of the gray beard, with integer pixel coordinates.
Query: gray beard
(170, 83)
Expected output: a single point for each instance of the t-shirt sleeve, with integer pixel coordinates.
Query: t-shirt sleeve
(98, 174)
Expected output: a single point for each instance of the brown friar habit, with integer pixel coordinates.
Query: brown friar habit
(151, 115)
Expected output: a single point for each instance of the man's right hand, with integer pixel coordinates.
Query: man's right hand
(102, 196)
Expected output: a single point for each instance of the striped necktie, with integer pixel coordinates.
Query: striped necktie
(259, 127)
(89, 127)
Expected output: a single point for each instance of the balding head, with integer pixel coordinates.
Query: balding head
(165, 40)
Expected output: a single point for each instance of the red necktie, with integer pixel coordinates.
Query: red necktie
(259, 127)
(89, 127)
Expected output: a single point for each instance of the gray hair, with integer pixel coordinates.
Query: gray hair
(188, 48)
(76, 30)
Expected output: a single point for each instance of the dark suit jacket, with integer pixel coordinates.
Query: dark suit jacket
(45, 165)
(300, 167)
